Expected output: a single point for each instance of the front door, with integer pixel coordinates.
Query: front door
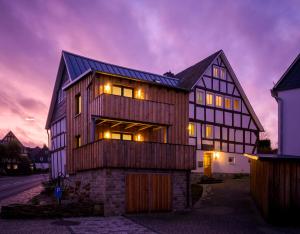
(207, 164)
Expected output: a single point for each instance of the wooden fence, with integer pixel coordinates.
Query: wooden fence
(275, 187)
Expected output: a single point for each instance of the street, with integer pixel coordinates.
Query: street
(13, 185)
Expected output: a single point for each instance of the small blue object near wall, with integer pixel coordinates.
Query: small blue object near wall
(58, 192)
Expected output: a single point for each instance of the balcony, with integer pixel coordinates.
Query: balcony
(119, 107)
(130, 154)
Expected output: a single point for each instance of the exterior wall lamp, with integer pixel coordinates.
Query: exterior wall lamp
(216, 155)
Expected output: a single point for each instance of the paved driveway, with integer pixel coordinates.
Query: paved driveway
(227, 209)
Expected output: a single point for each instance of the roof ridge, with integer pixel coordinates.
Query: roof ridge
(133, 69)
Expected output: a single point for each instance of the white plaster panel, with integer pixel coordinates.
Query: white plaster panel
(215, 85)
(200, 83)
(230, 88)
(252, 125)
(217, 132)
(237, 120)
(207, 82)
(217, 145)
(245, 121)
(224, 133)
(219, 116)
(191, 111)
(228, 118)
(239, 136)
(223, 86)
(231, 134)
(192, 141)
(247, 137)
(192, 96)
(248, 149)
(231, 147)
(239, 148)
(209, 115)
(253, 138)
(200, 113)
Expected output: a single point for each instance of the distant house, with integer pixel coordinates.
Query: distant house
(287, 94)
(14, 156)
(40, 157)
(10, 137)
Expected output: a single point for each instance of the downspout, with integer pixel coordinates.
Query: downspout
(50, 163)
(280, 121)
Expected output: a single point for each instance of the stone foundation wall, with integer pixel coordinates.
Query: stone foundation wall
(108, 186)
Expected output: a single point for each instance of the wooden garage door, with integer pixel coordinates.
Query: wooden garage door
(148, 192)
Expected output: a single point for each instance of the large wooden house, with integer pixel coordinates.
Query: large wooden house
(223, 125)
(120, 136)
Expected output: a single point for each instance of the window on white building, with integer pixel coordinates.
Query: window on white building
(231, 160)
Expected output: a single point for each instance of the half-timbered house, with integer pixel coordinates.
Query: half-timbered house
(120, 136)
(223, 125)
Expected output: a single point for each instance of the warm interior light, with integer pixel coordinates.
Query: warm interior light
(216, 155)
(107, 135)
(139, 94)
(139, 137)
(107, 88)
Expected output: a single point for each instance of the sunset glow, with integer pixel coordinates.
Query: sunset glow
(259, 38)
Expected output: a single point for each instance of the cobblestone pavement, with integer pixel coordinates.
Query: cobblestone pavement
(107, 225)
(101, 225)
(22, 197)
(228, 208)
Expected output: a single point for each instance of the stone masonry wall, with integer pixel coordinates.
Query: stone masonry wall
(108, 186)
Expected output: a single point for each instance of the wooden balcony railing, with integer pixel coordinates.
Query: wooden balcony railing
(119, 107)
(130, 154)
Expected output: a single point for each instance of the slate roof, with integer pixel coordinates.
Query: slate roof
(291, 78)
(191, 75)
(78, 65)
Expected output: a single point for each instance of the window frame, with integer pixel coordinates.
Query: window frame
(78, 142)
(199, 93)
(230, 102)
(216, 101)
(212, 99)
(216, 68)
(239, 105)
(192, 129)
(208, 126)
(78, 104)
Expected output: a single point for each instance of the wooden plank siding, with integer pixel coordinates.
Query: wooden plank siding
(161, 105)
(130, 154)
(275, 188)
(124, 108)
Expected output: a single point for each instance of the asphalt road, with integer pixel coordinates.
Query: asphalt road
(12, 185)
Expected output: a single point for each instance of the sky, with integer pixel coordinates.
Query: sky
(259, 38)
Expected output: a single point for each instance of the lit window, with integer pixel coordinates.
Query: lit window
(15, 166)
(8, 166)
(107, 135)
(199, 97)
(228, 103)
(127, 137)
(209, 131)
(209, 99)
(236, 104)
(218, 101)
(216, 72)
(116, 136)
(107, 88)
(77, 104)
(139, 137)
(139, 94)
(116, 90)
(223, 73)
(78, 141)
(191, 129)
(127, 92)
(231, 160)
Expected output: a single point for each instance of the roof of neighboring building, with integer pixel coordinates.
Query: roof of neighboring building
(11, 137)
(291, 78)
(36, 153)
(78, 65)
(191, 75)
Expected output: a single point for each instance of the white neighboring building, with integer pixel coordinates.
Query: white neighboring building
(223, 125)
(287, 94)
